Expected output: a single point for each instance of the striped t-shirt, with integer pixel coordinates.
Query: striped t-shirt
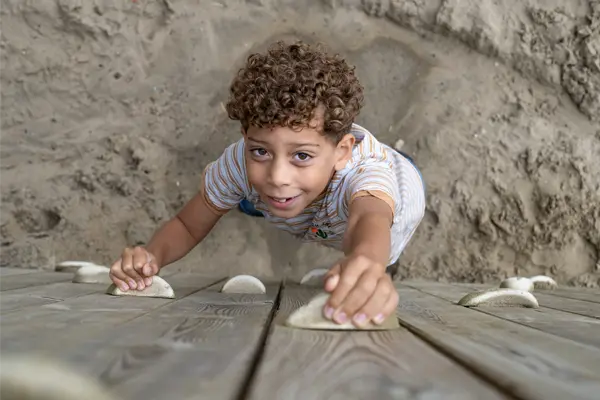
(374, 168)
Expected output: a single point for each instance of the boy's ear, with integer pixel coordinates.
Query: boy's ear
(344, 151)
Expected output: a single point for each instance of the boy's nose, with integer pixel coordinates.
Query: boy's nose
(279, 175)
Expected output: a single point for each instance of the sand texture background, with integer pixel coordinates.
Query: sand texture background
(111, 109)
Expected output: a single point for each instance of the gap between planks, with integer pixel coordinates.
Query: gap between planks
(321, 364)
(176, 348)
(582, 294)
(581, 329)
(257, 358)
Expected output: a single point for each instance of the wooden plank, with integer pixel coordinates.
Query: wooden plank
(304, 364)
(575, 327)
(591, 295)
(581, 307)
(89, 312)
(15, 300)
(8, 271)
(18, 299)
(202, 349)
(525, 362)
(19, 281)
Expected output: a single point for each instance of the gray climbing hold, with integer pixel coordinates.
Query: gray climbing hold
(72, 266)
(310, 316)
(158, 288)
(543, 282)
(92, 274)
(244, 284)
(500, 298)
(29, 377)
(515, 282)
(314, 277)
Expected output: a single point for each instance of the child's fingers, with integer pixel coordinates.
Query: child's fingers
(358, 296)
(117, 275)
(119, 283)
(375, 304)
(347, 280)
(332, 278)
(127, 265)
(149, 269)
(388, 308)
(141, 258)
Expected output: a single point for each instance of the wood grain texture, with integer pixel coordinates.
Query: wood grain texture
(18, 299)
(78, 316)
(183, 354)
(305, 364)
(591, 295)
(12, 282)
(581, 329)
(199, 346)
(526, 362)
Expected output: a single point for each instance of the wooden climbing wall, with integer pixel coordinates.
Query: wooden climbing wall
(208, 345)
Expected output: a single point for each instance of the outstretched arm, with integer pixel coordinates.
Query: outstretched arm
(182, 233)
(172, 241)
(361, 290)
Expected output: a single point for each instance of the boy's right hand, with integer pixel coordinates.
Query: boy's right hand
(134, 269)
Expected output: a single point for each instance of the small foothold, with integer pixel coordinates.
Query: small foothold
(310, 316)
(543, 282)
(244, 284)
(72, 266)
(500, 298)
(158, 288)
(515, 282)
(35, 377)
(314, 277)
(92, 274)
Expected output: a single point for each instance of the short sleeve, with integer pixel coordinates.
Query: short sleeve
(225, 182)
(374, 178)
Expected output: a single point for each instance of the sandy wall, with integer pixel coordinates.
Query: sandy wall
(111, 109)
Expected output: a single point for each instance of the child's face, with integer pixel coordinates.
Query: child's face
(290, 169)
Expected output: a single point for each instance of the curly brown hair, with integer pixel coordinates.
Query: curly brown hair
(288, 84)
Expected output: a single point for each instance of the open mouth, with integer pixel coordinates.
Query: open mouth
(282, 201)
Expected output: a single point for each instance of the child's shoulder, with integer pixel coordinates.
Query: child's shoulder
(368, 150)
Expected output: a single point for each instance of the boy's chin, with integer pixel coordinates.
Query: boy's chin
(288, 213)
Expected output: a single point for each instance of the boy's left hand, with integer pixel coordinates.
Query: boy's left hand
(361, 291)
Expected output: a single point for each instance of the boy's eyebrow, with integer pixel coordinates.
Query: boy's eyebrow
(256, 140)
(300, 144)
(295, 144)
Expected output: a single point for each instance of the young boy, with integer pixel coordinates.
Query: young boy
(307, 168)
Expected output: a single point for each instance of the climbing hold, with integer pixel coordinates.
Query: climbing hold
(516, 282)
(72, 266)
(500, 298)
(543, 282)
(314, 277)
(244, 284)
(158, 288)
(92, 274)
(38, 378)
(310, 316)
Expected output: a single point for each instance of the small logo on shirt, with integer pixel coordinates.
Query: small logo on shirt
(320, 232)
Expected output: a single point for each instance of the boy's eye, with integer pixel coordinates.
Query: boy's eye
(259, 152)
(302, 156)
